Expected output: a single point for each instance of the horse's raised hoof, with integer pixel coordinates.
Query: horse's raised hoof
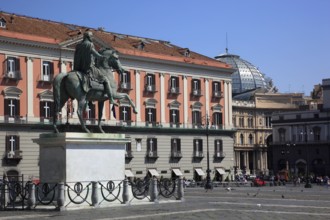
(135, 111)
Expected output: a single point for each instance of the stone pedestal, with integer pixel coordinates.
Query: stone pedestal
(81, 157)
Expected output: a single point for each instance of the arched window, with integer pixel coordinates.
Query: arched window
(241, 139)
(250, 139)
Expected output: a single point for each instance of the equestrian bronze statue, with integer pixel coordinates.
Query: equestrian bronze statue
(77, 83)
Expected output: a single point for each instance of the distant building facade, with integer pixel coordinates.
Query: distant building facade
(252, 117)
(301, 139)
(176, 91)
(255, 99)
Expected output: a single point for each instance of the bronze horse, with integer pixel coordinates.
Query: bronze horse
(68, 85)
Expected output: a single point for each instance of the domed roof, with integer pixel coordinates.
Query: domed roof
(246, 77)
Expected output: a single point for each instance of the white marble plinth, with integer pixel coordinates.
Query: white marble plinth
(79, 157)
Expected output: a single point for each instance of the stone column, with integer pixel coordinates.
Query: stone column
(226, 107)
(185, 101)
(32, 196)
(95, 194)
(207, 96)
(138, 95)
(230, 103)
(162, 99)
(125, 192)
(153, 190)
(30, 88)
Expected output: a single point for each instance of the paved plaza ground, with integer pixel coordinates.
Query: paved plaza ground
(278, 202)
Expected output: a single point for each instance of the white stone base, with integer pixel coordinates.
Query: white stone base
(81, 157)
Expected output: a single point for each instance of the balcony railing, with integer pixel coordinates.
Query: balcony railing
(198, 154)
(219, 154)
(196, 92)
(124, 123)
(125, 86)
(217, 94)
(176, 154)
(46, 79)
(174, 90)
(13, 75)
(17, 154)
(152, 154)
(128, 155)
(149, 88)
(175, 125)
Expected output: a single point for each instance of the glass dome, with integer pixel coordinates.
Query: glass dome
(246, 77)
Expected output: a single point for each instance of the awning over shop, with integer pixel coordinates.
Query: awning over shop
(220, 171)
(128, 173)
(200, 172)
(153, 172)
(177, 172)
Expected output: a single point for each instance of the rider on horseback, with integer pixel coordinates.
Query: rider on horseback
(84, 61)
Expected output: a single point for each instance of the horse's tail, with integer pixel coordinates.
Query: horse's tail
(57, 89)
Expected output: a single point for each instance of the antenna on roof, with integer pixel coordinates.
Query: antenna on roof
(226, 43)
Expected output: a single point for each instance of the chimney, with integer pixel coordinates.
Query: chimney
(326, 94)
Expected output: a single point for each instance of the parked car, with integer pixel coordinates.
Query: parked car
(258, 182)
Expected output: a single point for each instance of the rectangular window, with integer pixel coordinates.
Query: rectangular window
(198, 147)
(125, 113)
(46, 109)
(12, 146)
(174, 116)
(151, 115)
(281, 134)
(12, 67)
(216, 89)
(152, 147)
(12, 107)
(196, 87)
(2, 23)
(125, 80)
(128, 150)
(150, 83)
(174, 85)
(218, 148)
(196, 118)
(47, 71)
(217, 119)
(176, 147)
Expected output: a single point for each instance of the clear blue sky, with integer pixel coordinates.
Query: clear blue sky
(288, 40)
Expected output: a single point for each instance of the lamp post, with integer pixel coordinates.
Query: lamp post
(208, 184)
(304, 136)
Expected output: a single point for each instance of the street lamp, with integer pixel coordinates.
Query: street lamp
(208, 184)
(304, 136)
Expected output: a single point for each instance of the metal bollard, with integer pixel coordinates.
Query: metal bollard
(153, 190)
(95, 194)
(180, 189)
(125, 192)
(61, 197)
(32, 196)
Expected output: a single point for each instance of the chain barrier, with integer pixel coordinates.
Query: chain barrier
(167, 187)
(17, 195)
(112, 191)
(45, 193)
(140, 188)
(78, 190)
